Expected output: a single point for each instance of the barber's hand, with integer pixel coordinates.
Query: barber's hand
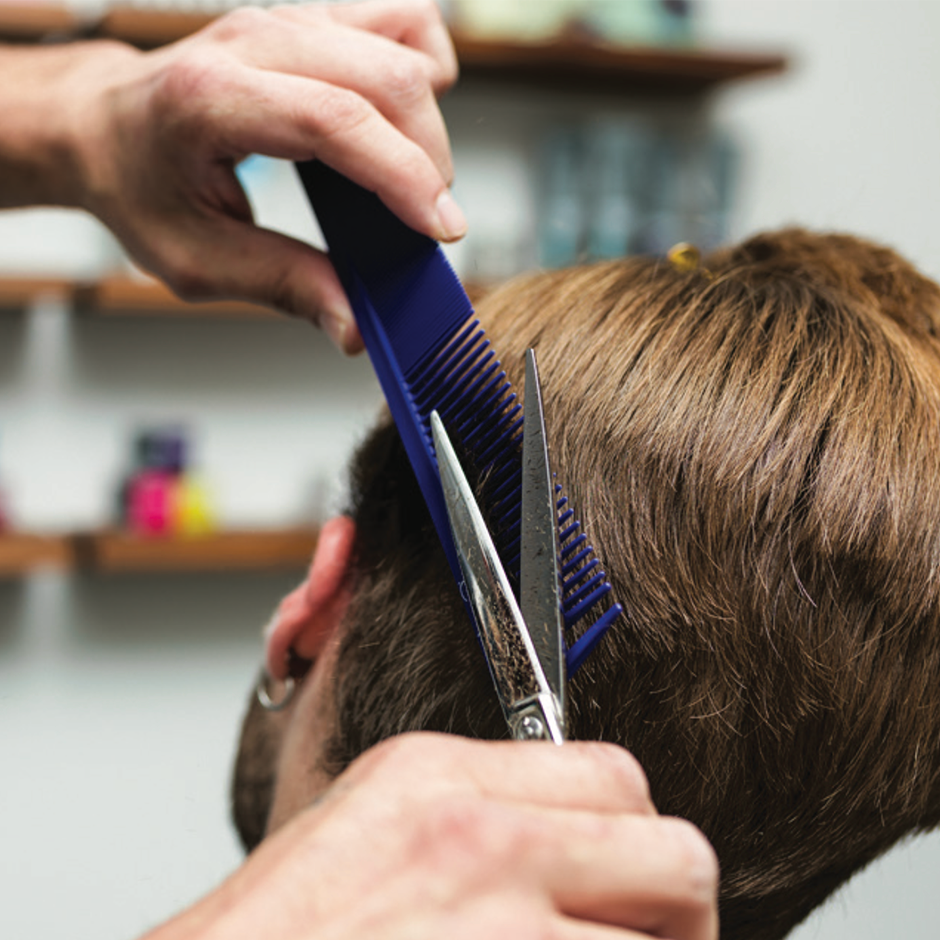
(430, 836)
(354, 85)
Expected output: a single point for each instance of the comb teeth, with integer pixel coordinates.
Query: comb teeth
(429, 352)
(468, 387)
(584, 585)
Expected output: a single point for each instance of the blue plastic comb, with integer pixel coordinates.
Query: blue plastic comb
(429, 352)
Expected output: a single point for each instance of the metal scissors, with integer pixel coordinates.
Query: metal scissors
(522, 640)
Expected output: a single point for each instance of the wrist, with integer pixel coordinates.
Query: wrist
(53, 113)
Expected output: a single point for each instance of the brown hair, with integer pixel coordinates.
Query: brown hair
(754, 447)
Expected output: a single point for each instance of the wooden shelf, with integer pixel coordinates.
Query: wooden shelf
(148, 29)
(586, 65)
(122, 295)
(113, 551)
(19, 292)
(23, 552)
(570, 62)
(31, 22)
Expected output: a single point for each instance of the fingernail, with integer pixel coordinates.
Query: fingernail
(336, 325)
(452, 221)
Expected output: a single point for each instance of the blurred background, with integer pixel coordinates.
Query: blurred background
(163, 471)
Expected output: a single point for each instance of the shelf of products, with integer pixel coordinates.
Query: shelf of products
(24, 552)
(112, 551)
(574, 63)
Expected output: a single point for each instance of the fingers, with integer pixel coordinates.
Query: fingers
(654, 874)
(353, 87)
(296, 119)
(414, 23)
(588, 775)
(443, 837)
(315, 84)
(643, 872)
(397, 80)
(570, 829)
(394, 79)
(224, 257)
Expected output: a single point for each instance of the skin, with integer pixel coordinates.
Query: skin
(437, 836)
(148, 141)
(430, 836)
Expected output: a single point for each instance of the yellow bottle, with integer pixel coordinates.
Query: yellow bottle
(193, 513)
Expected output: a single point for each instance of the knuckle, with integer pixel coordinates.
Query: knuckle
(696, 859)
(414, 11)
(477, 835)
(430, 11)
(408, 753)
(456, 823)
(392, 751)
(190, 78)
(626, 774)
(406, 80)
(418, 770)
(240, 23)
(340, 111)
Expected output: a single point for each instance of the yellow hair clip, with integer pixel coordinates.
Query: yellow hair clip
(685, 257)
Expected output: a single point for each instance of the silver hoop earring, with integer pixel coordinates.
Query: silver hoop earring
(265, 700)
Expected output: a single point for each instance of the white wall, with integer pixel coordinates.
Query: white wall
(118, 707)
(848, 139)
(119, 696)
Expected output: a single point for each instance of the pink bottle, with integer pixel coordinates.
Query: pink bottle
(150, 503)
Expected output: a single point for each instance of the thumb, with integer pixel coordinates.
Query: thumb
(242, 261)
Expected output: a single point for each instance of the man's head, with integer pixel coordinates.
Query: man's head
(754, 447)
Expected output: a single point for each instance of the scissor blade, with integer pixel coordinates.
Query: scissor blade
(532, 709)
(539, 598)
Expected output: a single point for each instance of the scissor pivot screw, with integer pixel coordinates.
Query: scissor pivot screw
(532, 727)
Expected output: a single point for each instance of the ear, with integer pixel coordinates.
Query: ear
(307, 618)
